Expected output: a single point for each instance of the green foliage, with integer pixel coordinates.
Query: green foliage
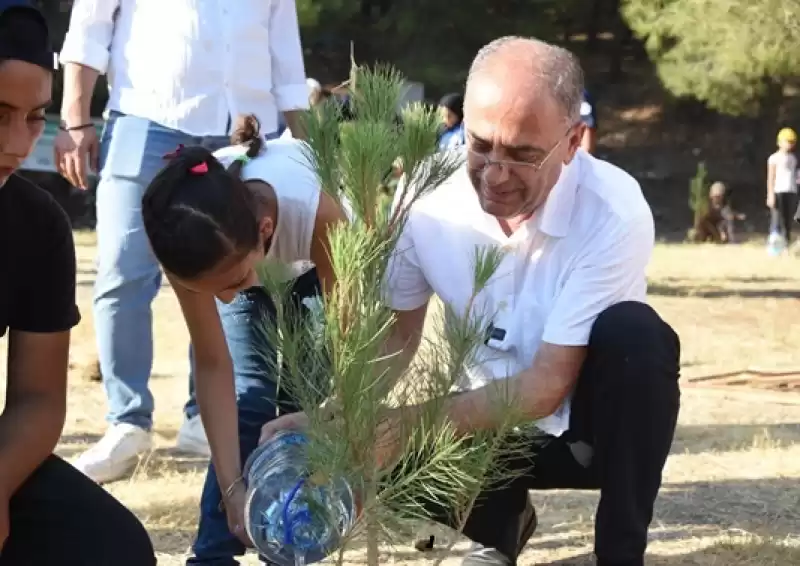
(340, 355)
(723, 52)
(311, 13)
(698, 192)
(437, 48)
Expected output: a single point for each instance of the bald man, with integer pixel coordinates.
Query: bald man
(584, 356)
(580, 352)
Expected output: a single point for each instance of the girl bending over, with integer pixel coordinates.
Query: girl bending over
(210, 220)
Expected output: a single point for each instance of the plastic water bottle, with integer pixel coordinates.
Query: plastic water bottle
(776, 243)
(290, 519)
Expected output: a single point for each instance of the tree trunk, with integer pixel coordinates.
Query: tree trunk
(593, 24)
(623, 36)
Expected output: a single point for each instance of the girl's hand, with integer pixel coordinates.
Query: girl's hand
(234, 511)
(293, 421)
(771, 201)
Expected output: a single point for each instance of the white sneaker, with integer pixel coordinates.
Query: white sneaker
(192, 438)
(482, 556)
(116, 454)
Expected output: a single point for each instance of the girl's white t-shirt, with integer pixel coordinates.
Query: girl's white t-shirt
(284, 165)
(785, 171)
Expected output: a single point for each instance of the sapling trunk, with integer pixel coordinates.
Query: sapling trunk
(338, 355)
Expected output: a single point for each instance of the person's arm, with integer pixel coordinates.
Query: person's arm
(288, 72)
(42, 312)
(604, 276)
(216, 397)
(76, 102)
(36, 404)
(329, 214)
(214, 383)
(770, 183)
(408, 293)
(85, 56)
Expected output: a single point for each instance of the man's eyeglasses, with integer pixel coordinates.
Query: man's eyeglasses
(535, 164)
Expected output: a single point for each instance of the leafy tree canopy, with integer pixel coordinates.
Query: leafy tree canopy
(723, 52)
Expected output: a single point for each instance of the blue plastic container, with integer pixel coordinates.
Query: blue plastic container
(290, 519)
(776, 244)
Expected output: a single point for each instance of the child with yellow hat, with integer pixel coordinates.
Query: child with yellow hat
(782, 186)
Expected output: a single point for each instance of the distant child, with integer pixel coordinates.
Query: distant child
(718, 224)
(451, 133)
(782, 185)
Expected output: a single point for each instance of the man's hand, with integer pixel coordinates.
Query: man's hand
(74, 150)
(234, 511)
(293, 421)
(771, 200)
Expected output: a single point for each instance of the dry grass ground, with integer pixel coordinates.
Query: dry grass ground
(731, 492)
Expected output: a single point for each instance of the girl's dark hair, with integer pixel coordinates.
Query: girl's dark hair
(197, 213)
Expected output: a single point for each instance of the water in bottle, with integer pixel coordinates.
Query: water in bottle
(291, 518)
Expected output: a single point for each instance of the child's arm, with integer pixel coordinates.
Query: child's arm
(770, 183)
(329, 214)
(216, 393)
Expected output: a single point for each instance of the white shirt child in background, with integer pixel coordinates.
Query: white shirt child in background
(782, 188)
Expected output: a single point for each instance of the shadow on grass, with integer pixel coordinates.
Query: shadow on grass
(684, 512)
(669, 290)
(734, 553)
(757, 279)
(768, 508)
(738, 551)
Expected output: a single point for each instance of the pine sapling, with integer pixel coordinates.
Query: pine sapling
(335, 362)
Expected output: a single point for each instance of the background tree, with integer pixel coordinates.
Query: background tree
(732, 54)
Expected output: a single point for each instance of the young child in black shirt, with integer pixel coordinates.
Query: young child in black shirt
(49, 512)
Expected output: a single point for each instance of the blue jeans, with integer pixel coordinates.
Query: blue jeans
(258, 401)
(128, 275)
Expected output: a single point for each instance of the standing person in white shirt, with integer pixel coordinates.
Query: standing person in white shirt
(178, 71)
(782, 185)
(583, 354)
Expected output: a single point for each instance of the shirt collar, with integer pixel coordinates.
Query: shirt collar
(556, 214)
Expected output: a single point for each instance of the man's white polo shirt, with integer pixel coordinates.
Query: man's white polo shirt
(586, 249)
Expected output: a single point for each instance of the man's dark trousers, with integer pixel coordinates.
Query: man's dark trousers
(622, 422)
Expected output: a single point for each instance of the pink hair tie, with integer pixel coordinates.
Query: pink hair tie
(175, 153)
(200, 169)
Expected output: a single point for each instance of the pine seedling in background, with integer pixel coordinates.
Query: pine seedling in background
(338, 354)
